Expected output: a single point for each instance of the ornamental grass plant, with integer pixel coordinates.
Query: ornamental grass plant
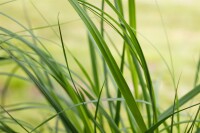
(111, 90)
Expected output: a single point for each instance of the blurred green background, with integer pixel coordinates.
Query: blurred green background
(179, 19)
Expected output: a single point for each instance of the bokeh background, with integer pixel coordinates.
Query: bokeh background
(160, 24)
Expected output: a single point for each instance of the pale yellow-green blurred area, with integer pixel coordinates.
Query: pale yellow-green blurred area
(170, 23)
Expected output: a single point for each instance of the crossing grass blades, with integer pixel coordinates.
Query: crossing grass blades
(87, 103)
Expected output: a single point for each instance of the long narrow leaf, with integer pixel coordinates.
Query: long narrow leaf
(112, 65)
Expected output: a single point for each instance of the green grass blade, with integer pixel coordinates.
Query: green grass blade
(37, 82)
(132, 14)
(14, 119)
(94, 63)
(195, 91)
(131, 121)
(97, 106)
(65, 55)
(190, 130)
(156, 125)
(112, 65)
(105, 68)
(84, 72)
(85, 119)
(118, 5)
(136, 49)
(111, 122)
(176, 105)
(43, 17)
(132, 22)
(6, 128)
(134, 69)
(179, 123)
(168, 44)
(118, 105)
(197, 73)
(94, 60)
(172, 119)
